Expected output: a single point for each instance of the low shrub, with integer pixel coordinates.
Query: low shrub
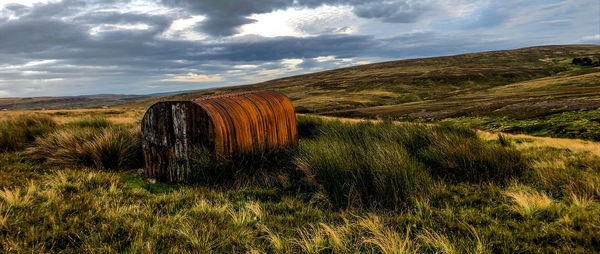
(16, 133)
(106, 148)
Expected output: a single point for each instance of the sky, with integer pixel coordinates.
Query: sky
(75, 47)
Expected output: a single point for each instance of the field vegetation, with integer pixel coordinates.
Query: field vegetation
(478, 153)
(454, 85)
(350, 186)
(536, 90)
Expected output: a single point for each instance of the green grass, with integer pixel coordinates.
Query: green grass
(91, 122)
(106, 148)
(549, 205)
(425, 80)
(267, 167)
(584, 124)
(386, 164)
(89, 142)
(16, 133)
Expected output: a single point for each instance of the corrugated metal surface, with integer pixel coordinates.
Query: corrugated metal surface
(226, 124)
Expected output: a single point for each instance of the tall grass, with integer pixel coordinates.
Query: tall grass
(106, 148)
(91, 122)
(552, 209)
(385, 164)
(264, 167)
(370, 174)
(16, 133)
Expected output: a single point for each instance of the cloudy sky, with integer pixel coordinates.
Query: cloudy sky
(75, 47)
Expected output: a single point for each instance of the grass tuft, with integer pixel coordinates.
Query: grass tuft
(267, 167)
(95, 122)
(385, 164)
(439, 242)
(16, 133)
(16, 198)
(109, 148)
(528, 202)
(388, 241)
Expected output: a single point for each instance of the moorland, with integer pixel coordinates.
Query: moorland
(475, 153)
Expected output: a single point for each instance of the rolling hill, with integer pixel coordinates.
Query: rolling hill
(449, 86)
(68, 102)
(520, 83)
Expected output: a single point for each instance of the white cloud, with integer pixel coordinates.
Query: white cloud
(191, 77)
(324, 58)
(245, 66)
(459, 8)
(111, 27)
(24, 2)
(28, 64)
(591, 38)
(290, 65)
(183, 29)
(27, 73)
(174, 56)
(302, 22)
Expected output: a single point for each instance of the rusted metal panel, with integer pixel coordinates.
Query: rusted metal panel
(225, 124)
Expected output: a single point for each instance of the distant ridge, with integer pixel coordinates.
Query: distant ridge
(404, 88)
(78, 101)
(472, 84)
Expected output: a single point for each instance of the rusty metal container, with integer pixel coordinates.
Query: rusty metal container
(224, 124)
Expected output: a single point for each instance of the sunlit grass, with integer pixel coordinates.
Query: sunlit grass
(70, 208)
(528, 202)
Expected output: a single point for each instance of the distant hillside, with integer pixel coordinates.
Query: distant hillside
(468, 84)
(68, 102)
(473, 84)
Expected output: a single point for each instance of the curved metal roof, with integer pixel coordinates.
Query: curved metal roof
(250, 120)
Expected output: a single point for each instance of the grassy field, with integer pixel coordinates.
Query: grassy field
(535, 91)
(399, 88)
(350, 186)
(69, 102)
(475, 153)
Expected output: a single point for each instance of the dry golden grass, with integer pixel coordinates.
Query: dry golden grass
(16, 198)
(121, 212)
(439, 242)
(575, 145)
(115, 115)
(388, 241)
(528, 201)
(276, 242)
(537, 84)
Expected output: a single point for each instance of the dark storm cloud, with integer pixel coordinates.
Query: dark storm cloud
(103, 17)
(49, 37)
(224, 17)
(390, 11)
(17, 9)
(34, 35)
(58, 9)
